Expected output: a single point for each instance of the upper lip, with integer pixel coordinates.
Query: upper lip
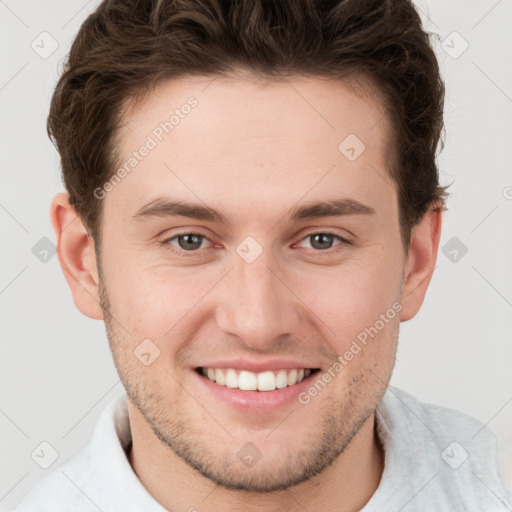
(258, 366)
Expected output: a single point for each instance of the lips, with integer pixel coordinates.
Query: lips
(250, 401)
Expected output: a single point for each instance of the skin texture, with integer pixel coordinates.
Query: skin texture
(253, 151)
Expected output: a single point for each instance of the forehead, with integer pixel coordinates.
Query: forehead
(251, 106)
(254, 138)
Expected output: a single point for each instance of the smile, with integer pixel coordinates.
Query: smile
(250, 381)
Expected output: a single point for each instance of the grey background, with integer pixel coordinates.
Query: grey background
(56, 370)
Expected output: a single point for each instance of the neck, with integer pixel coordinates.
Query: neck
(345, 486)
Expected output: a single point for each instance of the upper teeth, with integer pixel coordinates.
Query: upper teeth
(249, 381)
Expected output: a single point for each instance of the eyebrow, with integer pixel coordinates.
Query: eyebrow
(162, 207)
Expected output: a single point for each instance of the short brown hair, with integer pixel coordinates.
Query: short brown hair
(127, 47)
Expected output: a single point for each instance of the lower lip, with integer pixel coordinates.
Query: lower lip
(256, 401)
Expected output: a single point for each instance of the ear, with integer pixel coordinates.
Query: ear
(420, 262)
(75, 249)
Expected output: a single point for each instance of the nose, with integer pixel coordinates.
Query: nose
(256, 303)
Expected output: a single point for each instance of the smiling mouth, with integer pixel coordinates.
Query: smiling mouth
(262, 381)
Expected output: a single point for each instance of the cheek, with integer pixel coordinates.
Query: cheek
(154, 301)
(352, 297)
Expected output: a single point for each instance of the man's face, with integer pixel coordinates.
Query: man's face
(261, 287)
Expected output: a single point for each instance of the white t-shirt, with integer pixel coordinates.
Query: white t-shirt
(436, 460)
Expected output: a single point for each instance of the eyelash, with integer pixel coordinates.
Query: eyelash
(182, 252)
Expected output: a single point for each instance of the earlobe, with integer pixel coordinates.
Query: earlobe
(421, 262)
(75, 249)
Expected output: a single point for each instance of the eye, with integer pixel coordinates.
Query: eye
(322, 241)
(187, 242)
